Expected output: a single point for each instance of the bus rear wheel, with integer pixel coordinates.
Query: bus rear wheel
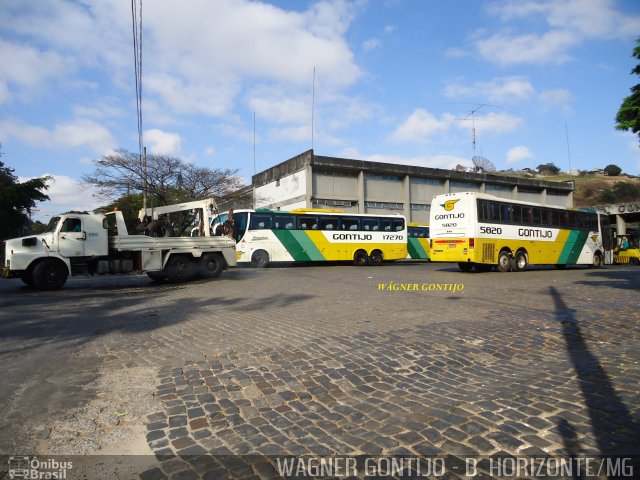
(259, 259)
(520, 263)
(360, 258)
(504, 261)
(465, 266)
(375, 258)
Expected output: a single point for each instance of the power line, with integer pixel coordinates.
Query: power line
(137, 61)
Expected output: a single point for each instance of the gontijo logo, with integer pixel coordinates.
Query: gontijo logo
(449, 204)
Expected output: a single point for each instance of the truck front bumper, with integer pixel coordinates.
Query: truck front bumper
(6, 273)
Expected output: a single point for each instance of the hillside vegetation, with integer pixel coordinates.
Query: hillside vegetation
(591, 190)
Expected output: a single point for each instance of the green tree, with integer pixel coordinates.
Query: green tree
(129, 205)
(612, 170)
(16, 201)
(548, 169)
(628, 117)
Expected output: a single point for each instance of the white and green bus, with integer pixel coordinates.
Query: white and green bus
(479, 231)
(315, 235)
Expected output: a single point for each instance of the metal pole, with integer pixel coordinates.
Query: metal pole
(144, 191)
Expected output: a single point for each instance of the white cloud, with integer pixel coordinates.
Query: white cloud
(494, 123)
(162, 143)
(195, 59)
(371, 44)
(67, 135)
(507, 49)
(210, 151)
(29, 70)
(565, 25)
(518, 154)
(559, 99)
(499, 90)
(421, 125)
(65, 194)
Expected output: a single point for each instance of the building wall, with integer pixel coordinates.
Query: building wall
(360, 186)
(284, 192)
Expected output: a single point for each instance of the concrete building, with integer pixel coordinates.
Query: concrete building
(622, 214)
(358, 186)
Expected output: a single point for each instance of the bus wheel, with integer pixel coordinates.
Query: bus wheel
(375, 258)
(179, 268)
(597, 260)
(360, 258)
(211, 265)
(520, 263)
(50, 274)
(504, 261)
(259, 259)
(634, 261)
(465, 266)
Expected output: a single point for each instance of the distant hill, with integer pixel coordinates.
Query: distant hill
(591, 190)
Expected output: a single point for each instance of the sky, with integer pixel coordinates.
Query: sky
(399, 81)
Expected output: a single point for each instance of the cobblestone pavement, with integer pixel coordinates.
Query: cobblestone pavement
(344, 360)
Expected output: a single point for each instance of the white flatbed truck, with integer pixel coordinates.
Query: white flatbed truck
(90, 244)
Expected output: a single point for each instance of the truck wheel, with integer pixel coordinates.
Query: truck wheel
(27, 278)
(50, 274)
(179, 268)
(211, 265)
(156, 276)
(259, 259)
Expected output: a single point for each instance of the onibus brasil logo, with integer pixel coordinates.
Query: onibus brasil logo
(33, 468)
(449, 204)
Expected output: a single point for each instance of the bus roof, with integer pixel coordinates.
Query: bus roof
(487, 196)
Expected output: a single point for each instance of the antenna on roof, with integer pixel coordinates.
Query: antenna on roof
(472, 114)
(313, 102)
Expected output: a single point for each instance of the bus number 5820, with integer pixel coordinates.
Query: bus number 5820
(491, 230)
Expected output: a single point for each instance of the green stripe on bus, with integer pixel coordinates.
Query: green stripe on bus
(573, 246)
(415, 249)
(299, 245)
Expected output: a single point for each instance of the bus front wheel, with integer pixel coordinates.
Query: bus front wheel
(504, 261)
(597, 260)
(259, 259)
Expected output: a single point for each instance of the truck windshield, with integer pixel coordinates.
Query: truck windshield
(52, 225)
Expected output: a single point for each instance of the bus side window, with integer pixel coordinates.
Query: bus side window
(328, 223)
(349, 224)
(371, 224)
(386, 225)
(398, 224)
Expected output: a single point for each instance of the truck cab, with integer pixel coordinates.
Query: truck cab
(65, 247)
